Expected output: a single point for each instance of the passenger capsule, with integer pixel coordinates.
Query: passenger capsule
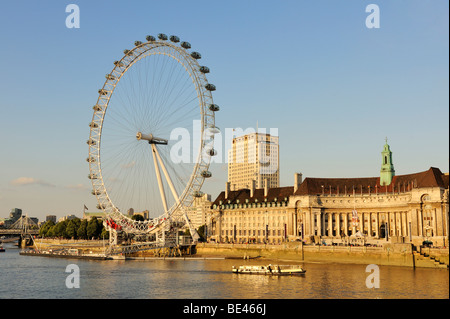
(198, 194)
(137, 43)
(150, 38)
(212, 152)
(174, 38)
(214, 107)
(97, 108)
(102, 92)
(196, 55)
(186, 45)
(110, 77)
(162, 36)
(96, 192)
(100, 206)
(204, 69)
(92, 176)
(206, 174)
(118, 63)
(93, 125)
(90, 142)
(210, 87)
(213, 129)
(90, 159)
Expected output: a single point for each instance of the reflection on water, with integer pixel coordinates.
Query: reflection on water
(40, 277)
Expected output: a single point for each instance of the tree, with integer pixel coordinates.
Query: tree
(82, 229)
(94, 228)
(60, 229)
(72, 228)
(201, 233)
(43, 232)
(137, 217)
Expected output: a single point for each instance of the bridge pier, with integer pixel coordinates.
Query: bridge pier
(25, 241)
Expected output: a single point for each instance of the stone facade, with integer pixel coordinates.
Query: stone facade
(412, 209)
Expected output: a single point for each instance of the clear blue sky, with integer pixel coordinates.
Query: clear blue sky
(333, 88)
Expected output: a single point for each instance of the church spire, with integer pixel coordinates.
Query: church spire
(387, 167)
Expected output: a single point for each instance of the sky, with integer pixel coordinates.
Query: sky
(332, 87)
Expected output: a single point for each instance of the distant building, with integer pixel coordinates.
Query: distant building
(67, 217)
(89, 216)
(254, 157)
(144, 214)
(15, 214)
(50, 218)
(198, 212)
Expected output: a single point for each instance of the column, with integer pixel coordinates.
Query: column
(353, 227)
(363, 225)
(420, 221)
(346, 224)
(319, 224)
(369, 226)
(322, 230)
(434, 222)
(377, 225)
(404, 224)
(394, 220)
(338, 227)
(330, 224)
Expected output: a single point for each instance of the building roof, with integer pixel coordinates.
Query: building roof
(430, 178)
(280, 193)
(433, 177)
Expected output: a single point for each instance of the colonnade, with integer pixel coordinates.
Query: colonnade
(341, 224)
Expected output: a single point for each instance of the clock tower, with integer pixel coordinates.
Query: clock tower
(387, 167)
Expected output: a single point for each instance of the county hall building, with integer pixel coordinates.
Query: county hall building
(392, 208)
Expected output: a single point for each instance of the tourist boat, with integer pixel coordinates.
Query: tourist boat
(276, 270)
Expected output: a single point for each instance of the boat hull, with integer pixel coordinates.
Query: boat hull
(269, 270)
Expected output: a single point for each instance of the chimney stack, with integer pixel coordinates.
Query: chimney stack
(227, 190)
(266, 187)
(298, 179)
(252, 188)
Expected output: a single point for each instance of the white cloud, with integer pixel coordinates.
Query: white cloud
(77, 187)
(23, 181)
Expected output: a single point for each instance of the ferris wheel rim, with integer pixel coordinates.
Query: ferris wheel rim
(207, 120)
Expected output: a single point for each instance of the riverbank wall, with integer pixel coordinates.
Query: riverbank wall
(388, 254)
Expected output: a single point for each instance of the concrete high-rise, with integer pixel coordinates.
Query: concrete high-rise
(254, 158)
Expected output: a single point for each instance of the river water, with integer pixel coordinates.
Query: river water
(45, 278)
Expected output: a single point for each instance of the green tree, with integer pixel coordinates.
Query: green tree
(72, 228)
(94, 228)
(60, 229)
(201, 233)
(51, 232)
(43, 232)
(82, 229)
(104, 234)
(137, 217)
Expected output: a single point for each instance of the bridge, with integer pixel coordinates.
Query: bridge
(24, 227)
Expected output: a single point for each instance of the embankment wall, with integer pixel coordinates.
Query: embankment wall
(389, 254)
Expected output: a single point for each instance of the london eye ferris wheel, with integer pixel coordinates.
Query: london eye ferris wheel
(149, 99)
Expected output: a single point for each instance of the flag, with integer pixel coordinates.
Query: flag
(85, 208)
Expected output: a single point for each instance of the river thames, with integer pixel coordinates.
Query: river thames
(45, 278)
